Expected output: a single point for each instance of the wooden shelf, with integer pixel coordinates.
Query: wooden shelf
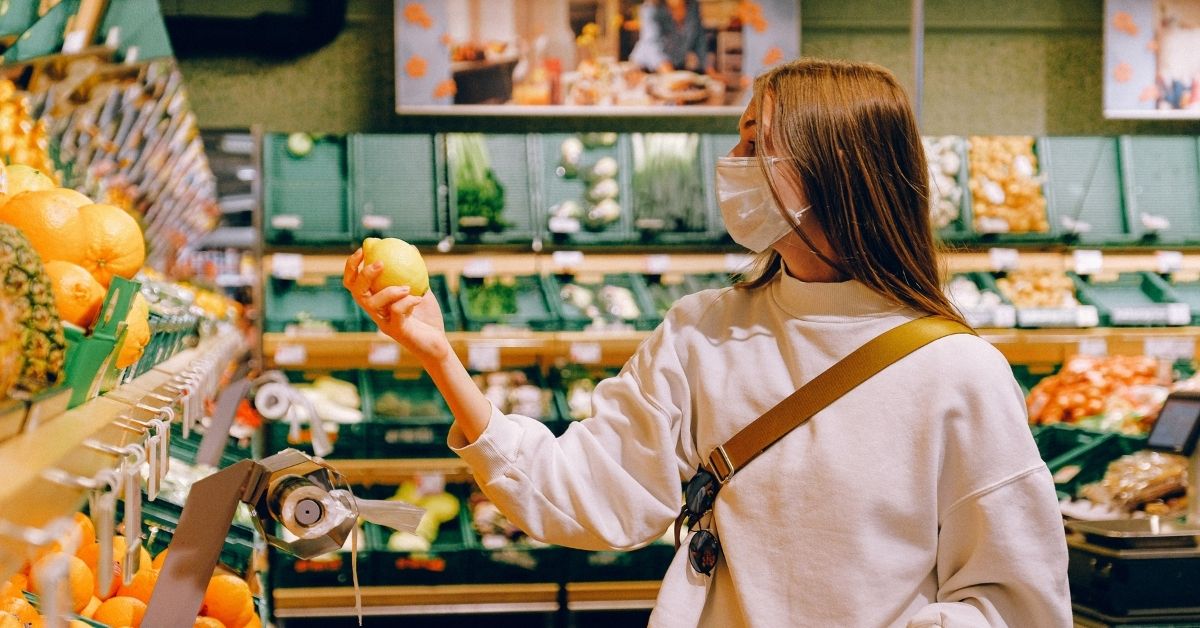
(418, 600)
(611, 596)
(396, 470)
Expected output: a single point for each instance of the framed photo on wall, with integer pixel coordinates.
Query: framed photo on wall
(1152, 59)
(587, 57)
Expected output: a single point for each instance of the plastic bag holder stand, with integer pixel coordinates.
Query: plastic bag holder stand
(217, 434)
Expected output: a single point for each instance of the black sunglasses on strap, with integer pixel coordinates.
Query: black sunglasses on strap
(698, 498)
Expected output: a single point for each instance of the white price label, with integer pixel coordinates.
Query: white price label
(991, 225)
(1088, 262)
(375, 222)
(563, 224)
(1169, 261)
(383, 354)
(1093, 346)
(287, 266)
(1004, 316)
(1172, 349)
(658, 264)
(430, 483)
(1003, 259)
(585, 352)
(286, 222)
(1087, 316)
(476, 268)
(568, 260)
(483, 357)
(1179, 314)
(737, 263)
(291, 355)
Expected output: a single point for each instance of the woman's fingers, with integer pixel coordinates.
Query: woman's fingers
(404, 306)
(362, 285)
(350, 273)
(381, 301)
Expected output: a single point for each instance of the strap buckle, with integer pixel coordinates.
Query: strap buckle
(718, 459)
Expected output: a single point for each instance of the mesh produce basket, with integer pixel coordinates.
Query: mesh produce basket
(1084, 198)
(305, 197)
(396, 187)
(1162, 186)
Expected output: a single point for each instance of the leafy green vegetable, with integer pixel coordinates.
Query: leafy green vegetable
(479, 194)
(492, 300)
(667, 187)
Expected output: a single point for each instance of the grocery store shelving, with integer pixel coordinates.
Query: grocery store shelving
(417, 600)
(611, 596)
(396, 470)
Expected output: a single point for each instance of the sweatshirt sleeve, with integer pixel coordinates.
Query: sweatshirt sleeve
(1002, 559)
(611, 481)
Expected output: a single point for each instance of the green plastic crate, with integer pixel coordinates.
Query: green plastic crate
(286, 300)
(644, 564)
(448, 561)
(305, 198)
(515, 562)
(438, 285)
(1188, 292)
(959, 229)
(396, 187)
(350, 441)
(533, 307)
(712, 230)
(1088, 463)
(557, 186)
(421, 433)
(1084, 315)
(708, 281)
(89, 357)
(560, 381)
(1033, 237)
(1133, 299)
(575, 319)
(1001, 316)
(331, 570)
(1162, 179)
(511, 158)
(1059, 442)
(44, 36)
(1084, 189)
(664, 291)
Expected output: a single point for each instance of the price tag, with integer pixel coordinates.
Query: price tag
(375, 222)
(477, 268)
(1179, 314)
(658, 264)
(481, 357)
(1004, 316)
(563, 224)
(1172, 349)
(585, 352)
(737, 263)
(287, 266)
(1169, 261)
(383, 354)
(1093, 346)
(991, 225)
(1088, 262)
(286, 222)
(1003, 259)
(430, 483)
(1087, 316)
(568, 260)
(291, 355)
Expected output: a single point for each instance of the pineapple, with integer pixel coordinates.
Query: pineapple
(27, 308)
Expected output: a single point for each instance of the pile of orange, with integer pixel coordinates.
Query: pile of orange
(227, 601)
(83, 245)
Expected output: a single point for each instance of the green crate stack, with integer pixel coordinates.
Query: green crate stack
(396, 187)
(330, 570)
(708, 227)
(1187, 292)
(349, 441)
(1134, 299)
(1084, 198)
(1162, 180)
(558, 185)
(447, 561)
(439, 286)
(514, 562)
(305, 198)
(646, 563)
(408, 417)
(960, 228)
(285, 301)
(160, 518)
(529, 308)
(664, 291)
(575, 319)
(511, 158)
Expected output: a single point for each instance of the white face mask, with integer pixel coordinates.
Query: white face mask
(752, 217)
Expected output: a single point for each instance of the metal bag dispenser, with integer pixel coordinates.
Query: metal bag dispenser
(305, 495)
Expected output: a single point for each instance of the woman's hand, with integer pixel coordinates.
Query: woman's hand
(413, 321)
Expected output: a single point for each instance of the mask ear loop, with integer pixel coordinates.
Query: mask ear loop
(793, 218)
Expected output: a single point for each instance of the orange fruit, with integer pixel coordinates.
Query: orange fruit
(91, 555)
(115, 245)
(142, 585)
(81, 581)
(228, 599)
(254, 622)
(137, 333)
(90, 610)
(121, 611)
(75, 623)
(50, 220)
(8, 620)
(208, 622)
(22, 609)
(20, 178)
(77, 295)
(159, 560)
(87, 531)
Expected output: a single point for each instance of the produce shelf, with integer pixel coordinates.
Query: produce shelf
(418, 600)
(611, 596)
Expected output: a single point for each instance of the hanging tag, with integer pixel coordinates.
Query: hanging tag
(431, 483)
(185, 423)
(104, 517)
(585, 352)
(1088, 262)
(568, 260)
(152, 452)
(483, 357)
(164, 456)
(478, 268)
(1003, 260)
(286, 222)
(133, 518)
(383, 354)
(288, 266)
(54, 600)
(1169, 261)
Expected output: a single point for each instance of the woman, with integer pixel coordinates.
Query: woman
(670, 37)
(918, 499)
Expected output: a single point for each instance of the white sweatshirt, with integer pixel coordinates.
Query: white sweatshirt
(917, 500)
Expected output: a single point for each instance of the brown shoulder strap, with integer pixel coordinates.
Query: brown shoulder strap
(824, 389)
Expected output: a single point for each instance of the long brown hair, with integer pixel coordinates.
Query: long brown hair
(850, 141)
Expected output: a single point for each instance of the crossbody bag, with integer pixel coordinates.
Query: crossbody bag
(824, 389)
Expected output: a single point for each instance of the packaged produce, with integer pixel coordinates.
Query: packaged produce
(1151, 481)
(667, 186)
(1006, 190)
(1038, 288)
(480, 195)
(512, 392)
(1091, 386)
(944, 156)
